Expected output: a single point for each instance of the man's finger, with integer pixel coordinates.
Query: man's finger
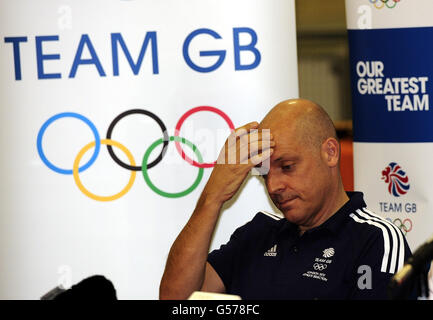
(261, 157)
(258, 146)
(251, 150)
(254, 135)
(245, 129)
(257, 135)
(240, 132)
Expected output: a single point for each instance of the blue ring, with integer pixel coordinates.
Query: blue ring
(65, 115)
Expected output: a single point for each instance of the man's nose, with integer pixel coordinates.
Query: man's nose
(274, 183)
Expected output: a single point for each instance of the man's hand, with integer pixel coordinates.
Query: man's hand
(186, 270)
(245, 148)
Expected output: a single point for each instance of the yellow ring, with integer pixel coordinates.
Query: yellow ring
(383, 4)
(77, 177)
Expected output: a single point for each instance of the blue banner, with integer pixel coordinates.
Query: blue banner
(390, 76)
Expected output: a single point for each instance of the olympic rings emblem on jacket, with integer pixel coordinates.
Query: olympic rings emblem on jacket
(132, 166)
(320, 266)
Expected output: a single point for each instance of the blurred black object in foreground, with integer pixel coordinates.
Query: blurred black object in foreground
(413, 275)
(93, 288)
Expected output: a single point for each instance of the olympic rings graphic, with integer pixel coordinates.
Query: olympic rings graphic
(182, 120)
(66, 115)
(163, 193)
(151, 115)
(145, 166)
(88, 193)
(404, 225)
(320, 266)
(384, 3)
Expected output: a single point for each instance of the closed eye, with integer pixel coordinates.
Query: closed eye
(287, 167)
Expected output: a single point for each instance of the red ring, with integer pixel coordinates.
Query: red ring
(182, 120)
(404, 224)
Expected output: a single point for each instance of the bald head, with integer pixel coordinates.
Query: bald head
(303, 119)
(303, 179)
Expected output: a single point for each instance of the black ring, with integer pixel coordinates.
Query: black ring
(161, 125)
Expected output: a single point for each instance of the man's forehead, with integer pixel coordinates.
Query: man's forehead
(278, 129)
(274, 120)
(286, 156)
(286, 146)
(282, 135)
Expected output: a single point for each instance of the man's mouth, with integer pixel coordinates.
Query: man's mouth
(286, 202)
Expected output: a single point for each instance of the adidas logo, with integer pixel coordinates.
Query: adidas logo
(272, 252)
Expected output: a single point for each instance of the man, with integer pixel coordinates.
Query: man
(327, 246)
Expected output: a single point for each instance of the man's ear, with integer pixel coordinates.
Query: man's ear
(331, 152)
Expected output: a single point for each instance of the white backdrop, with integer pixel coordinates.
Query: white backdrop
(60, 56)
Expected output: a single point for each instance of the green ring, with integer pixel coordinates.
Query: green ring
(386, 2)
(156, 189)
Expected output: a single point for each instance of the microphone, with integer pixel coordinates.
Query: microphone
(93, 288)
(415, 266)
